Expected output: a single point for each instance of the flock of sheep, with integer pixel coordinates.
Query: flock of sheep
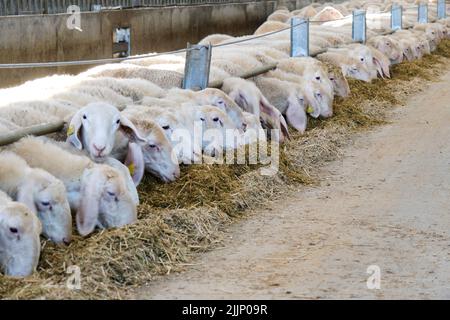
(127, 118)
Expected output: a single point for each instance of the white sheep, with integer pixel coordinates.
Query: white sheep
(350, 66)
(159, 157)
(270, 26)
(250, 99)
(25, 117)
(214, 39)
(165, 79)
(94, 127)
(160, 59)
(135, 89)
(286, 97)
(173, 122)
(210, 96)
(20, 246)
(41, 192)
(97, 193)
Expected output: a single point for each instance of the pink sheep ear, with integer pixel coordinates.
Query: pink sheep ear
(25, 195)
(88, 211)
(73, 132)
(128, 128)
(296, 117)
(382, 69)
(135, 162)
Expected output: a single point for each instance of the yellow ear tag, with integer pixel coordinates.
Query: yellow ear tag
(70, 130)
(131, 168)
(309, 109)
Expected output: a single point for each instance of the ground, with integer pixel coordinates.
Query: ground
(385, 203)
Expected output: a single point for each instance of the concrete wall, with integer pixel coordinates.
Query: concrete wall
(39, 38)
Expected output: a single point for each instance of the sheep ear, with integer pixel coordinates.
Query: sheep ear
(135, 162)
(381, 68)
(128, 128)
(73, 132)
(126, 174)
(25, 195)
(88, 211)
(276, 118)
(296, 117)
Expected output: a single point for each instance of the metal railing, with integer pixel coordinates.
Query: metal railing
(23, 7)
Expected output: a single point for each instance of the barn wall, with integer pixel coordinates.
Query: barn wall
(44, 38)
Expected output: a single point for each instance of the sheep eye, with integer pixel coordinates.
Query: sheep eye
(112, 194)
(13, 230)
(45, 203)
(215, 119)
(317, 78)
(388, 44)
(166, 127)
(362, 59)
(118, 121)
(203, 119)
(84, 116)
(332, 79)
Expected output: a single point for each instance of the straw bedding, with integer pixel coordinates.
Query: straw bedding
(178, 220)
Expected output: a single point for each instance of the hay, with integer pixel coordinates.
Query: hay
(180, 219)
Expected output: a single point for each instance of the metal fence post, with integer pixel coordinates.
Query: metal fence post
(396, 17)
(441, 9)
(359, 26)
(299, 37)
(422, 13)
(196, 70)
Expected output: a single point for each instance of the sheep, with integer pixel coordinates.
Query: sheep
(160, 59)
(163, 78)
(210, 96)
(318, 88)
(214, 39)
(135, 89)
(159, 157)
(233, 69)
(279, 16)
(7, 126)
(270, 26)
(388, 47)
(350, 66)
(23, 116)
(94, 128)
(340, 83)
(28, 113)
(327, 14)
(20, 246)
(250, 99)
(308, 90)
(245, 61)
(306, 12)
(96, 192)
(174, 127)
(41, 192)
(286, 98)
(102, 94)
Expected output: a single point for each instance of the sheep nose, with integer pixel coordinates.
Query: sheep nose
(99, 149)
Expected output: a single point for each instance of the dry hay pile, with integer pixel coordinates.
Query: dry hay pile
(179, 219)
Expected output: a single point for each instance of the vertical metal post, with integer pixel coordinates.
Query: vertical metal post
(441, 9)
(396, 17)
(422, 14)
(299, 37)
(359, 26)
(196, 70)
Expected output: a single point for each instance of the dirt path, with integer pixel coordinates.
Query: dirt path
(386, 203)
